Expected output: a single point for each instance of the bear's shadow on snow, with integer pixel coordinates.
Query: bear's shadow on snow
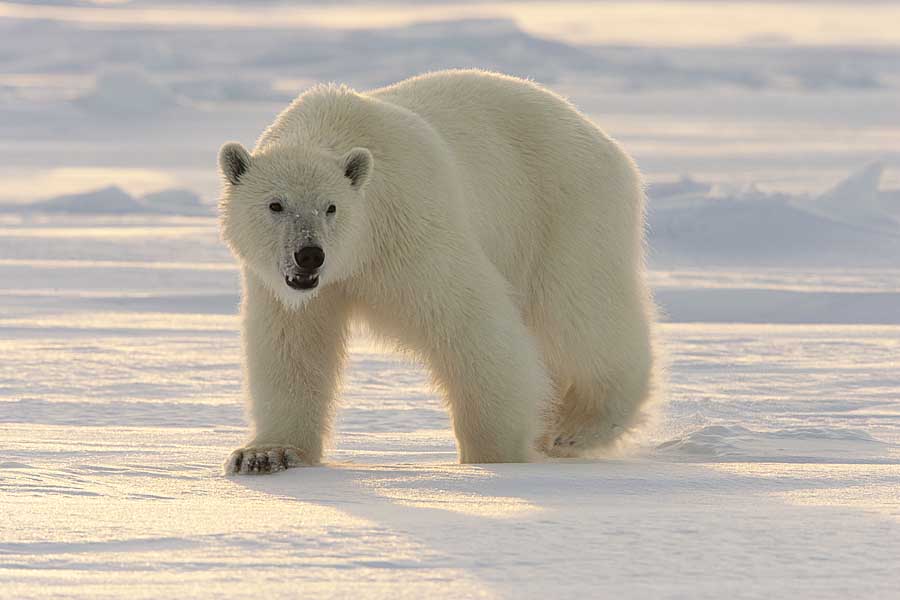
(402, 495)
(450, 512)
(440, 511)
(399, 496)
(340, 484)
(436, 507)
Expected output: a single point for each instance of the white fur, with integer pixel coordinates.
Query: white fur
(496, 233)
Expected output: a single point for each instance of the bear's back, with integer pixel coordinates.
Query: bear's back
(516, 146)
(456, 101)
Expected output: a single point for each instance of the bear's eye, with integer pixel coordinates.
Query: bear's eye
(331, 209)
(276, 207)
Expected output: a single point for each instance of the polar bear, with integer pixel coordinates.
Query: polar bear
(477, 220)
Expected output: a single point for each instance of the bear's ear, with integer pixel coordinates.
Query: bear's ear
(357, 165)
(234, 160)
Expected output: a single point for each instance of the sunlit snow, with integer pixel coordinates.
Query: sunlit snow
(768, 135)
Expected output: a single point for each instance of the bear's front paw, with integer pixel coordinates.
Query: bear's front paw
(252, 460)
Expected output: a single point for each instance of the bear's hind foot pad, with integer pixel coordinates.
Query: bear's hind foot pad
(253, 460)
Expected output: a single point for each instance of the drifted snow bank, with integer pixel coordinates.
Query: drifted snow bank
(799, 444)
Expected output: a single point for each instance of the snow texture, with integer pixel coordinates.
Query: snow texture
(773, 168)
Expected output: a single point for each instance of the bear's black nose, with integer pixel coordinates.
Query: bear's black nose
(309, 258)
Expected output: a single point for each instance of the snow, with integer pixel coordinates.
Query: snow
(772, 471)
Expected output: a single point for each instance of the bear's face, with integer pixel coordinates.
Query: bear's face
(294, 216)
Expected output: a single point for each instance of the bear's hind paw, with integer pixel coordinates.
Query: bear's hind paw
(254, 460)
(562, 445)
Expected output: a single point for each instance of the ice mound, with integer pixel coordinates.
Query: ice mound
(734, 443)
(684, 186)
(175, 201)
(853, 224)
(107, 200)
(857, 200)
(113, 200)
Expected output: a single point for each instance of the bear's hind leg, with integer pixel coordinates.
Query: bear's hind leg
(595, 413)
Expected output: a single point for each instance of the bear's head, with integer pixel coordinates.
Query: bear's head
(295, 216)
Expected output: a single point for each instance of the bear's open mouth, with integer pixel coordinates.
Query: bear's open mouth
(302, 280)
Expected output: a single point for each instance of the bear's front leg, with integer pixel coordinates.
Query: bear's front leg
(292, 362)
